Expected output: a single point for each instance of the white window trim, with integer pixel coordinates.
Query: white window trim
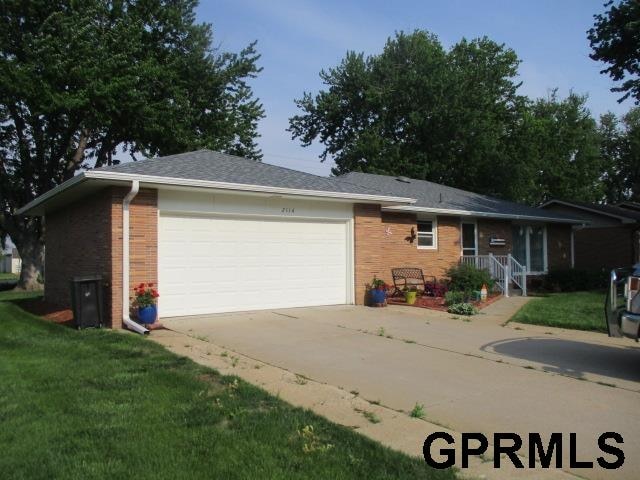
(545, 258)
(434, 230)
(475, 230)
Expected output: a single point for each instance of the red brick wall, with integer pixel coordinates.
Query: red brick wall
(78, 243)
(143, 244)
(85, 238)
(597, 248)
(558, 245)
(382, 243)
(488, 228)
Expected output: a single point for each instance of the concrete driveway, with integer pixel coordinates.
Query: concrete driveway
(471, 376)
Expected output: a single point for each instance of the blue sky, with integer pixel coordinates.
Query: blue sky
(298, 38)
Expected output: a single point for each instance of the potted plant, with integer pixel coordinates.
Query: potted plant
(378, 291)
(145, 301)
(410, 294)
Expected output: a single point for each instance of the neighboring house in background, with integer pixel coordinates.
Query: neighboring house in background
(610, 237)
(11, 262)
(219, 233)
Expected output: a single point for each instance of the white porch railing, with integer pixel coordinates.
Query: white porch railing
(504, 269)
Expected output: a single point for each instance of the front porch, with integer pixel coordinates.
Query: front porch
(510, 275)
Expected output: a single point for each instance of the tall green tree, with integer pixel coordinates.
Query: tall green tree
(615, 40)
(621, 156)
(453, 117)
(80, 79)
(562, 145)
(417, 110)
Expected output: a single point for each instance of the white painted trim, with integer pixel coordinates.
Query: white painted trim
(434, 230)
(622, 218)
(351, 262)
(51, 193)
(468, 213)
(156, 180)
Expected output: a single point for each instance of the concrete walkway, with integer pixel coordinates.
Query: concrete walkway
(471, 376)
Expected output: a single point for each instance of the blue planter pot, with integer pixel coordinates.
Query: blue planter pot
(148, 314)
(378, 296)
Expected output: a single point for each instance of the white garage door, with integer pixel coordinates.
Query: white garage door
(218, 264)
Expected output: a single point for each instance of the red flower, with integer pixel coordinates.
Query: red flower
(150, 284)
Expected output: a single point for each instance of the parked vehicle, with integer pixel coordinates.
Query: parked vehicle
(622, 304)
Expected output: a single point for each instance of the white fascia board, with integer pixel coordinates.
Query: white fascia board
(51, 193)
(184, 182)
(468, 213)
(151, 180)
(587, 209)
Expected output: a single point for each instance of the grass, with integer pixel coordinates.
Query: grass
(575, 310)
(93, 404)
(11, 277)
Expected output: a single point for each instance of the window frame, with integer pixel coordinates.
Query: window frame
(528, 230)
(433, 234)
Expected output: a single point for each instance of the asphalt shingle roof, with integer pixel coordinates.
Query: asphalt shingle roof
(436, 196)
(607, 209)
(219, 167)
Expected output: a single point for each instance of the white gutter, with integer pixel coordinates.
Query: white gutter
(468, 213)
(195, 183)
(126, 320)
(244, 187)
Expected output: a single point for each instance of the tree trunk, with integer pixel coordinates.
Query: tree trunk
(32, 273)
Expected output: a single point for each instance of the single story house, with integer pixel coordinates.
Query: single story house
(219, 233)
(609, 237)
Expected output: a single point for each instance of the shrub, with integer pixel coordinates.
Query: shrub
(572, 280)
(467, 278)
(452, 297)
(462, 309)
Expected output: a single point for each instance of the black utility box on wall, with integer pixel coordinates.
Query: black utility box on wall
(86, 301)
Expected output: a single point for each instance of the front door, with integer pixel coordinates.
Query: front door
(469, 239)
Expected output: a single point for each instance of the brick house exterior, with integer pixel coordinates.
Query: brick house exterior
(86, 237)
(203, 223)
(609, 237)
(383, 241)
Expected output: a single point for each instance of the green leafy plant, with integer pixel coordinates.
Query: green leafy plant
(462, 309)
(417, 411)
(467, 278)
(378, 284)
(453, 297)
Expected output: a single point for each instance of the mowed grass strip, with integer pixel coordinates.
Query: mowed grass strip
(103, 404)
(575, 310)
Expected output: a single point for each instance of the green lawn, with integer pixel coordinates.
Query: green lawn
(103, 404)
(577, 310)
(8, 277)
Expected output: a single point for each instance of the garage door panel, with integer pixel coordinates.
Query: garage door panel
(213, 264)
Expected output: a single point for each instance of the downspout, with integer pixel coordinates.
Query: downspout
(130, 324)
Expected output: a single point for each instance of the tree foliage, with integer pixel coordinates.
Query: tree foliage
(620, 151)
(453, 117)
(80, 79)
(615, 40)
